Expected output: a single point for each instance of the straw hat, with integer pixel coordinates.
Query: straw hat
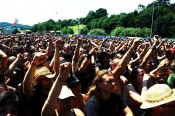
(42, 72)
(157, 95)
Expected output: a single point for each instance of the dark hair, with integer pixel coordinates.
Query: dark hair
(133, 76)
(8, 97)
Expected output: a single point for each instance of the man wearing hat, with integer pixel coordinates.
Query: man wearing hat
(59, 101)
(159, 101)
(39, 80)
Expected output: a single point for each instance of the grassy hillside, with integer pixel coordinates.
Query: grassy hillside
(75, 28)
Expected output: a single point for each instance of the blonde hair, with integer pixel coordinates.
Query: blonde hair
(94, 90)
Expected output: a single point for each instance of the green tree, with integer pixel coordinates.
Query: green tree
(49, 25)
(96, 32)
(91, 15)
(163, 25)
(84, 30)
(140, 8)
(117, 31)
(101, 13)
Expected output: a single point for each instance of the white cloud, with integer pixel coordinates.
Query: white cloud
(34, 11)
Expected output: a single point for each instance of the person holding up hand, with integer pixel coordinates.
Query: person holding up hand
(59, 101)
(39, 80)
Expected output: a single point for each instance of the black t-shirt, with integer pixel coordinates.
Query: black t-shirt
(86, 78)
(98, 107)
(37, 102)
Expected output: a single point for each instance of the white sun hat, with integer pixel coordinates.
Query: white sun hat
(65, 93)
(157, 95)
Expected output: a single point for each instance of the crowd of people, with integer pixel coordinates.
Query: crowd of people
(56, 75)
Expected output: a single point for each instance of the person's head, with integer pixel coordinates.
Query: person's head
(160, 100)
(136, 76)
(104, 57)
(64, 101)
(74, 84)
(172, 65)
(120, 54)
(66, 48)
(14, 50)
(103, 82)
(170, 54)
(150, 65)
(82, 51)
(27, 57)
(43, 78)
(9, 104)
(114, 63)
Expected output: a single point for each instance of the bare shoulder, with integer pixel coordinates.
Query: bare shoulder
(78, 112)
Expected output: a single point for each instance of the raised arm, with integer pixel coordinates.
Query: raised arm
(125, 59)
(4, 60)
(38, 59)
(10, 70)
(148, 54)
(48, 108)
(76, 56)
(49, 49)
(57, 56)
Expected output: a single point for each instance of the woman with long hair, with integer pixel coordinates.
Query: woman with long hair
(135, 89)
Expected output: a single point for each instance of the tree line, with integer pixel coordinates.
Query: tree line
(136, 23)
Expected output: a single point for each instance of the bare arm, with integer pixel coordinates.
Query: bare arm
(127, 111)
(57, 56)
(4, 60)
(125, 60)
(48, 108)
(49, 49)
(148, 54)
(39, 58)
(76, 56)
(134, 95)
(10, 70)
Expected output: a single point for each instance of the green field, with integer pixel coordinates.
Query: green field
(75, 28)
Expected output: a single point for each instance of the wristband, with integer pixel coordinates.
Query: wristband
(34, 64)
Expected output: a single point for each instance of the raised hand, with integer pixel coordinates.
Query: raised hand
(39, 58)
(58, 42)
(65, 70)
(79, 41)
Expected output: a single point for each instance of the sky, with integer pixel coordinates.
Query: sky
(31, 12)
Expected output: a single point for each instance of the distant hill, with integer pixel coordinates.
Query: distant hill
(9, 28)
